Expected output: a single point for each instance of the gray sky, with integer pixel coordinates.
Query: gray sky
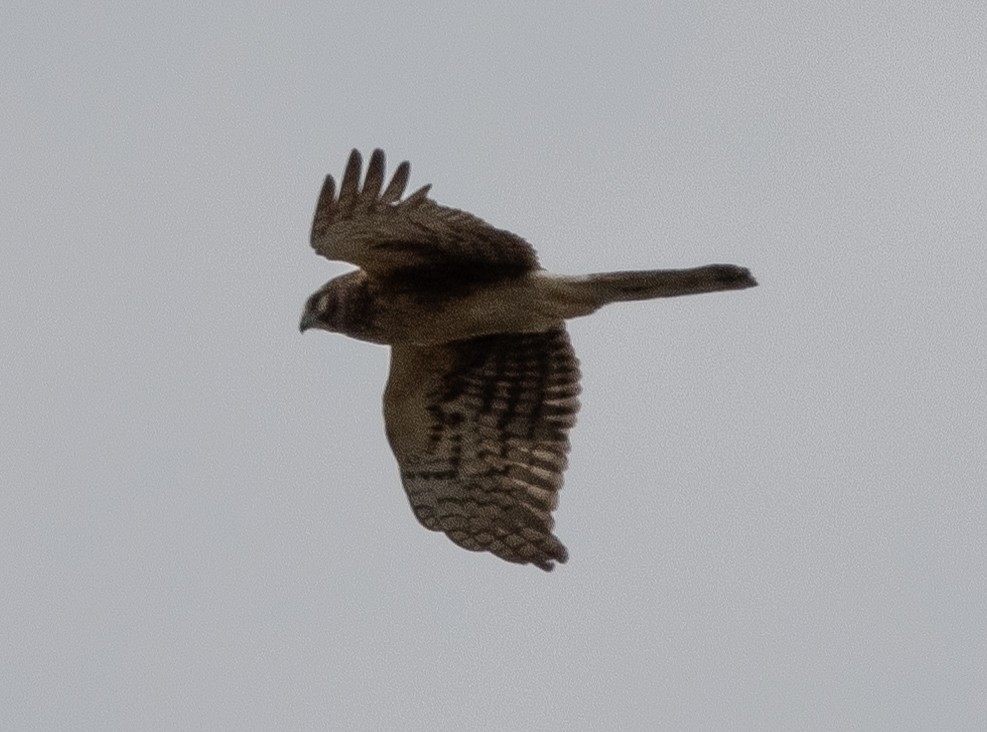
(775, 509)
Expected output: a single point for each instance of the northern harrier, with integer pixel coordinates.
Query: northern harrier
(483, 383)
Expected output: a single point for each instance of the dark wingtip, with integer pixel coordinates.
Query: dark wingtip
(323, 209)
(558, 553)
(417, 197)
(396, 187)
(376, 162)
(353, 166)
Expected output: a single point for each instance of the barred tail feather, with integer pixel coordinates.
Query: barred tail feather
(583, 295)
(620, 286)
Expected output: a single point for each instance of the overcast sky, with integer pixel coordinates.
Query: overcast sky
(775, 508)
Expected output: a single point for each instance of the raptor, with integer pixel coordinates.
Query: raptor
(483, 384)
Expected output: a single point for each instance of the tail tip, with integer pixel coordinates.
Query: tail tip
(734, 277)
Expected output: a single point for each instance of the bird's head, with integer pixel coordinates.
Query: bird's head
(322, 309)
(342, 305)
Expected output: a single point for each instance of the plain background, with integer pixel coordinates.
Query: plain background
(775, 508)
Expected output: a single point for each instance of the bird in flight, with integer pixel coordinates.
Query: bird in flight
(483, 384)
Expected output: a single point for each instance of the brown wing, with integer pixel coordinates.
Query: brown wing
(392, 238)
(479, 428)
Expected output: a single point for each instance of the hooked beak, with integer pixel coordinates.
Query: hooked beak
(308, 321)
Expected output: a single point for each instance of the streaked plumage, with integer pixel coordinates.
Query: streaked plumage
(483, 383)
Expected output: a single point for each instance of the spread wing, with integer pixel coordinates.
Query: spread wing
(479, 428)
(373, 228)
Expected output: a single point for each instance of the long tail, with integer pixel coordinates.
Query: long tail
(586, 294)
(618, 286)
